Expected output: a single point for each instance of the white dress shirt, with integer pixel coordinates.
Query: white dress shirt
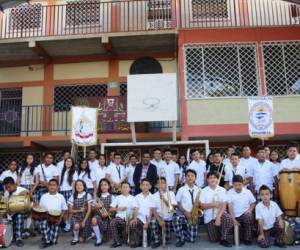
(263, 174)
(46, 171)
(184, 196)
(124, 201)
(200, 168)
(26, 177)
(267, 214)
(88, 181)
(80, 195)
(60, 165)
(9, 173)
(290, 164)
(158, 164)
(65, 186)
(161, 207)
(240, 202)
(170, 170)
(209, 195)
(248, 163)
(53, 202)
(94, 164)
(99, 172)
(116, 173)
(230, 172)
(144, 205)
(129, 171)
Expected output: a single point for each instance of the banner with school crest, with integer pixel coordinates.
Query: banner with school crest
(84, 126)
(260, 117)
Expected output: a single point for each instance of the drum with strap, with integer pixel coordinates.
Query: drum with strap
(19, 204)
(289, 192)
(6, 233)
(39, 213)
(54, 216)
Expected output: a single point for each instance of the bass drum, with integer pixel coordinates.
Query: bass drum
(6, 235)
(289, 192)
(19, 204)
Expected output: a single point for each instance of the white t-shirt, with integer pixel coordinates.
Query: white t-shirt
(290, 164)
(49, 171)
(240, 202)
(129, 171)
(8, 173)
(230, 172)
(248, 163)
(158, 164)
(161, 207)
(116, 173)
(122, 201)
(200, 168)
(17, 192)
(93, 164)
(60, 165)
(99, 173)
(144, 205)
(88, 181)
(65, 186)
(263, 174)
(267, 214)
(169, 170)
(26, 178)
(184, 196)
(80, 195)
(53, 202)
(209, 195)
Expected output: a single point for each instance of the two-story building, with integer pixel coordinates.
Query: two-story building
(54, 53)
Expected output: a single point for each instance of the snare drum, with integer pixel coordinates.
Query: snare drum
(39, 213)
(6, 235)
(54, 216)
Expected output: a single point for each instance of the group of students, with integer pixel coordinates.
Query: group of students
(106, 198)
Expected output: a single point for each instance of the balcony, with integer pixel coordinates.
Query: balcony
(38, 120)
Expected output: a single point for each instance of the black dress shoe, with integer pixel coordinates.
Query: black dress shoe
(19, 243)
(180, 244)
(225, 243)
(44, 245)
(155, 245)
(247, 242)
(74, 242)
(281, 245)
(97, 244)
(116, 244)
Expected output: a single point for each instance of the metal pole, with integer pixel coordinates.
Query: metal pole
(133, 135)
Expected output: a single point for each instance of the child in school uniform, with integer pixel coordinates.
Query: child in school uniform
(10, 172)
(68, 176)
(88, 176)
(162, 217)
(142, 213)
(124, 205)
(101, 221)
(186, 197)
(80, 208)
(18, 219)
(269, 217)
(51, 201)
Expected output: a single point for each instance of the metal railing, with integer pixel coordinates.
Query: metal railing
(76, 18)
(37, 120)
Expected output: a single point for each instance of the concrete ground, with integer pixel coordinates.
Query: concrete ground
(64, 243)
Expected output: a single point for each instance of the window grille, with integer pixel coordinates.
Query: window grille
(123, 89)
(226, 70)
(207, 9)
(64, 95)
(159, 14)
(281, 64)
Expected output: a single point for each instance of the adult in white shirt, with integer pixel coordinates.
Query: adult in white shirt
(269, 217)
(241, 204)
(157, 160)
(100, 169)
(115, 172)
(129, 171)
(170, 170)
(186, 198)
(291, 162)
(200, 167)
(61, 163)
(263, 171)
(43, 174)
(93, 162)
(247, 161)
(52, 201)
(10, 172)
(214, 200)
(234, 169)
(124, 205)
(88, 176)
(162, 216)
(18, 219)
(142, 214)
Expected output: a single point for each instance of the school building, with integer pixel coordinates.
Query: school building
(58, 53)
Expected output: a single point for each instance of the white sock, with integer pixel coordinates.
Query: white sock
(28, 223)
(75, 235)
(97, 233)
(68, 225)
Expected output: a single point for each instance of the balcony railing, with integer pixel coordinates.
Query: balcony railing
(76, 18)
(37, 120)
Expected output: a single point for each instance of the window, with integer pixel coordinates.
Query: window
(26, 16)
(83, 13)
(64, 95)
(221, 70)
(145, 65)
(281, 62)
(159, 14)
(123, 89)
(209, 9)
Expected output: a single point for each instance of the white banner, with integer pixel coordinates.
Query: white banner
(260, 117)
(152, 97)
(84, 126)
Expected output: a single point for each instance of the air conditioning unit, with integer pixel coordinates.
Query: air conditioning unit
(159, 24)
